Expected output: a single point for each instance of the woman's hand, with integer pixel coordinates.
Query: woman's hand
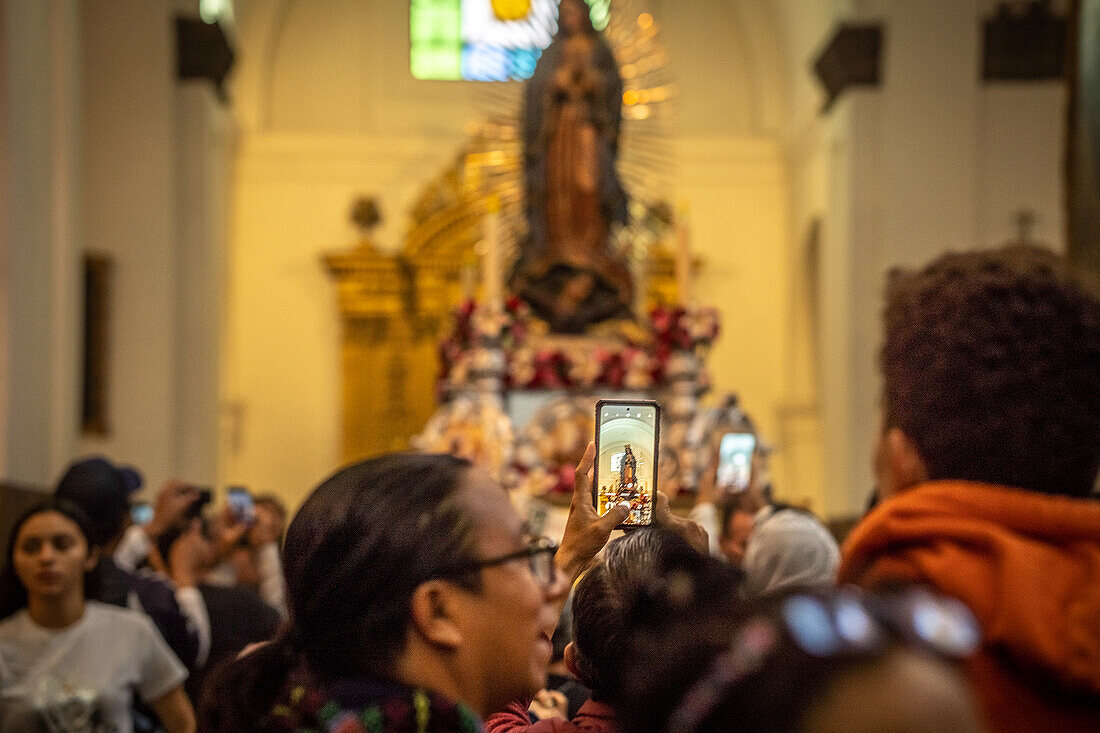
(549, 704)
(692, 532)
(586, 532)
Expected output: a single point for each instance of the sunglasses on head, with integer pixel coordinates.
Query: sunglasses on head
(845, 624)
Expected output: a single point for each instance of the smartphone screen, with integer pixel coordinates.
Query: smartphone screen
(735, 461)
(241, 503)
(626, 457)
(141, 513)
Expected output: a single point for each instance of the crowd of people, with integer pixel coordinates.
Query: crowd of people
(112, 625)
(407, 594)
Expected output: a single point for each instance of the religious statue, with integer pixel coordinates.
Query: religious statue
(571, 118)
(628, 474)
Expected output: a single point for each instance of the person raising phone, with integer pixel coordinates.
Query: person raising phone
(776, 545)
(418, 600)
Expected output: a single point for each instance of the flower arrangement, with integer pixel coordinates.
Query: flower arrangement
(666, 356)
(680, 330)
(609, 363)
(550, 445)
(474, 427)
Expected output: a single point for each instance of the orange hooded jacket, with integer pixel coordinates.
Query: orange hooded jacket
(1027, 565)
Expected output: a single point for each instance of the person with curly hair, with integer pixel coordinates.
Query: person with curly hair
(986, 464)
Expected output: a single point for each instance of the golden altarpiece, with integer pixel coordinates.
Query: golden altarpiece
(438, 357)
(395, 308)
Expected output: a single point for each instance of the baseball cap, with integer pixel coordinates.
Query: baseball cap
(103, 491)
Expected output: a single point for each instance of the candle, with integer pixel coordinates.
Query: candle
(491, 272)
(468, 276)
(683, 256)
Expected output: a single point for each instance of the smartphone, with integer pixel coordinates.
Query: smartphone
(627, 436)
(240, 501)
(141, 513)
(735, 461)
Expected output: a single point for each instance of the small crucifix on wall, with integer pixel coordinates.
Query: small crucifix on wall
(1024, 220)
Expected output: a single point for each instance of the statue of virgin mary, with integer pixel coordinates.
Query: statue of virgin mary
(571, 118)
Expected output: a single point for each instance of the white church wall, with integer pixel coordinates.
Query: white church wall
(90, 163)
(738, 212)
(1020, 155)
(39, 238)
(129, 197)
(5, 234)
(203, 157)
(934, 159)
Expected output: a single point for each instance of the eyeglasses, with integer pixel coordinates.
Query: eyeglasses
(842, 624)
(539, 554)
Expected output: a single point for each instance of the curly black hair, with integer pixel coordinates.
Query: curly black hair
(991, 365)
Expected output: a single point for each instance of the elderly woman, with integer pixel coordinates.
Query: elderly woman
(418, 601)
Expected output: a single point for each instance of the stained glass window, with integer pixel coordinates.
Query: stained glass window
(484, 40)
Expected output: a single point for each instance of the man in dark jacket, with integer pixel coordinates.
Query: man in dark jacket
(103, 491)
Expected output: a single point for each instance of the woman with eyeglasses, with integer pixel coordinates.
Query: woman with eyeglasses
(418, 601)
(700, 660)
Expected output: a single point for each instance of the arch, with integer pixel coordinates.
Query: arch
(260, 27)
(766, 63)
(759, 31)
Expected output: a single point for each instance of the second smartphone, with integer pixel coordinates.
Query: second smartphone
(627, 437)
(735, 461)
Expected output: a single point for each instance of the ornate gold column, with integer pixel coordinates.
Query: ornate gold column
(391, 317)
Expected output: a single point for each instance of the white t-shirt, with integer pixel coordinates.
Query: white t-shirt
(81, 679)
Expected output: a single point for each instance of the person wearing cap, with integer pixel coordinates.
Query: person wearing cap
(103, 491)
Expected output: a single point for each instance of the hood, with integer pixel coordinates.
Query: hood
(1027, 565)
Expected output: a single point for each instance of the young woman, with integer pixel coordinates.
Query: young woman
(418, 601)
(68, 664)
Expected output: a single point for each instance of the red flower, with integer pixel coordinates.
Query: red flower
(614, 371)
(566, 480)
(661, 319)
(683, 340)
(518, 331)
(547, 371)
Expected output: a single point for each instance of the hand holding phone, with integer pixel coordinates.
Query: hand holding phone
(586, 532)
(141, 513)
(240, 501)
(627, 436)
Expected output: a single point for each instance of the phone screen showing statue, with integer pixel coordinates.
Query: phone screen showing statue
(735, 461)
(626, 469)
